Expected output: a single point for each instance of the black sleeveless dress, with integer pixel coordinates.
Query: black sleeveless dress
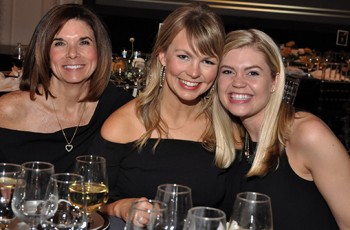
(296, 203)
(137, 174)
(21, 146)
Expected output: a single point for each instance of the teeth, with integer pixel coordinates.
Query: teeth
(240, 96)
(190, 84)
(72, 66)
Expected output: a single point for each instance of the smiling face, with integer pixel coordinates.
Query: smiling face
(245, 83)
(73, 54)
(188, 74)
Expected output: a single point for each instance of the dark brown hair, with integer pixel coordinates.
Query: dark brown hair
(36, 68)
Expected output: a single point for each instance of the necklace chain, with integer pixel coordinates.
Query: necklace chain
(247, 154)
(68, 146)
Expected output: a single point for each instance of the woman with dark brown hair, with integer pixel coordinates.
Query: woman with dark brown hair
(64, 95)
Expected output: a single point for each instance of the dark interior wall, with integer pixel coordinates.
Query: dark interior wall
(141, 22)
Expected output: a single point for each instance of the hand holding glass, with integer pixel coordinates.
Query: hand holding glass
(147, 214)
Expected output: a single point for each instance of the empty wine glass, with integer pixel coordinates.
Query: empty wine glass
(8, 180)
(205, 218)
(94, 194)
(253, 211)
(147, 214)
(179, 200)
(29, 202)
(68, 215)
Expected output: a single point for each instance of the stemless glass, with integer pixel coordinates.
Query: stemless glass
(205, 218)
(68, 215)
(147, 214)
(29, 203)
(8, 180)
(94, 194)
(179, 200)
(253, 211)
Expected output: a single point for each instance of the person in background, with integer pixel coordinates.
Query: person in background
(288, 154)
(165, 135)
(64, 95)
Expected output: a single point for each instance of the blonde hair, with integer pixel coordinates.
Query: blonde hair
(273, 134)
(206, 35)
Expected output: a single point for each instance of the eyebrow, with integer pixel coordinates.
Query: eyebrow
(82, 38)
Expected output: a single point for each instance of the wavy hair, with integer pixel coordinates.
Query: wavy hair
(206, 35)
(273, 135)
(36, 68)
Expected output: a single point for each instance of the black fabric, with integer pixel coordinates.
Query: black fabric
(137, 174)
(296, 203)
(20, 146)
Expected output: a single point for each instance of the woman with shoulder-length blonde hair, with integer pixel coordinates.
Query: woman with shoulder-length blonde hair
(165, 135)
(288, 154)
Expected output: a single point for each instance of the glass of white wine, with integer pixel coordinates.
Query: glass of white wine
(205, 218)
(29, 202)
(95, 192)
(8, 180)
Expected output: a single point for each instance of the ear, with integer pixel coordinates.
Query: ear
(162, 58)
(275, 83)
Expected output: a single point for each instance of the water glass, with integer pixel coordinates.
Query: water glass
(68, 215)
(29, 202)
(179, 200)
(205, 218)
(252, 211)
(147, 214)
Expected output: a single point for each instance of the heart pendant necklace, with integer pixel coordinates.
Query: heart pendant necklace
(69, 147)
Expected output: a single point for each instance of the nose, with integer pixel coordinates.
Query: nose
(194, 70)
(238, 81)
(72, 52)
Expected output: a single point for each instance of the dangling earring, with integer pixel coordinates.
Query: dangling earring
(210, 93)
(162, 76)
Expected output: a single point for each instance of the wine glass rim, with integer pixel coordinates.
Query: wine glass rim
(262, 197)
(89, 158)
(48, 166)
(76, 177)
(221, 214)
(163, 188)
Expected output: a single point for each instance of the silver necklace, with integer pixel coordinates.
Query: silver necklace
(69, 146)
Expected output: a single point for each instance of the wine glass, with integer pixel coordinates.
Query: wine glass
(179, 200)
(94, 194)
(29, 202)
(253, 211)
(68, 215)
(8, 180)
(205, 218)
(18, 57)
(147, 214)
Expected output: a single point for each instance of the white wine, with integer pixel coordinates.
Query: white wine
(7, 186)
(95, 196)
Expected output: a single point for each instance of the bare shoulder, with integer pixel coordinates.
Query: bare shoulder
(13, 108)
(313, 143)
(123, 125)
(309, 129)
